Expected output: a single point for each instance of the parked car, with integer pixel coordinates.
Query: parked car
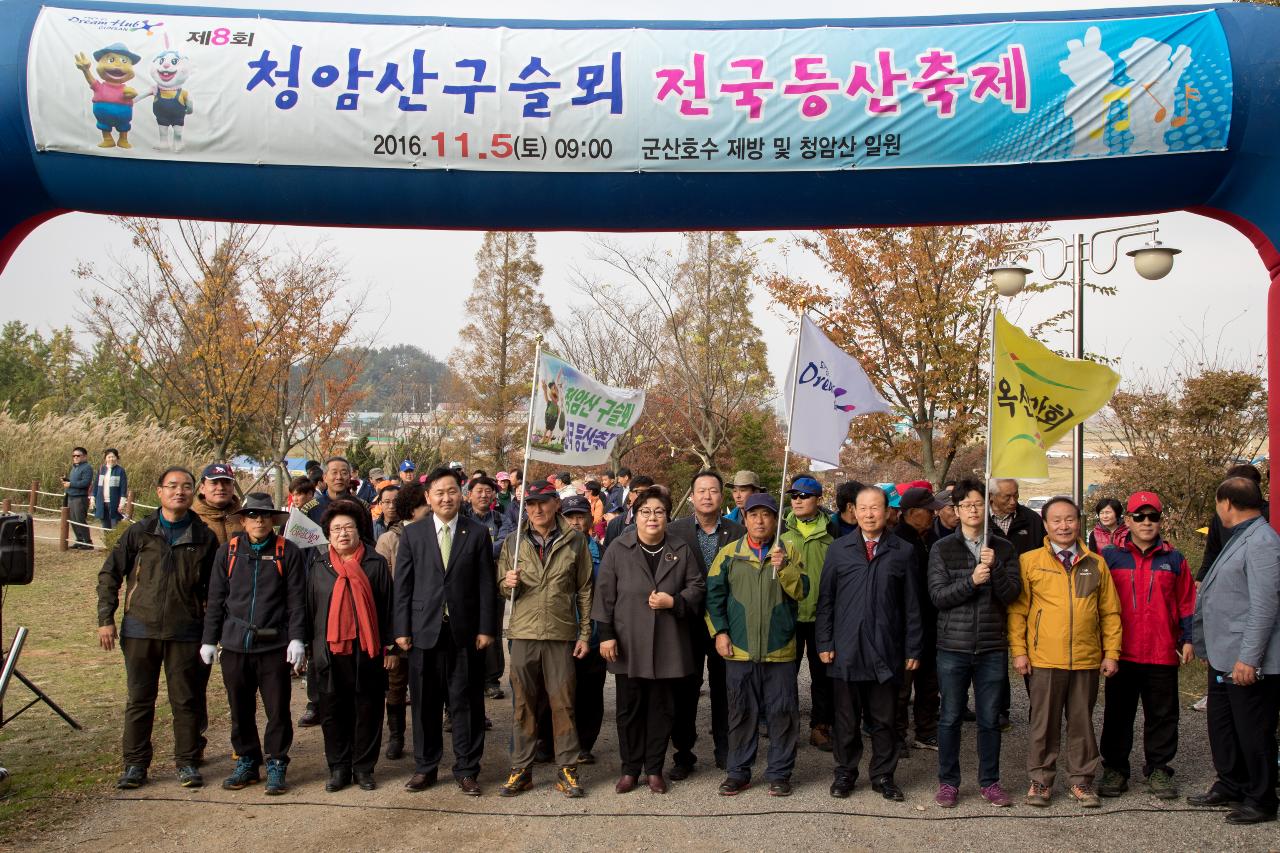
(1037, 502)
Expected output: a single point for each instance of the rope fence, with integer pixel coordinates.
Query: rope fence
(32, 506)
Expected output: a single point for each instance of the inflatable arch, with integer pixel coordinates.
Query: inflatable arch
(356, 120)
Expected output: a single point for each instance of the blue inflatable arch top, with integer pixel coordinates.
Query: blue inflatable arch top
(1238, 183)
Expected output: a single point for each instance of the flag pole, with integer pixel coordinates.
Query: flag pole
(791, 414)
(524, 471)
(991, 400)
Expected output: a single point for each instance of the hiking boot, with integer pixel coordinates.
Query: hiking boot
(1112, 784)
(134, 776)
(1038, 795)
(820, 737)
(1085, 796)
(567, 782)
(780, 788)
(275, 777)
(948, 796)
(521, 779)
(244, 775)
(926, 743)
(1161, 785)
(731, 787)
(493, 691)
(997, 796)
(189, 777)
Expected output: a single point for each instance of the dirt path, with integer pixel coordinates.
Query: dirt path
(162, 816)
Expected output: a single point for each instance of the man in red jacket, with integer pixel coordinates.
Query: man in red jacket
(1157, 600)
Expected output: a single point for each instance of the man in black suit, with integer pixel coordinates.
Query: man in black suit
(446, 615)
(705, 532)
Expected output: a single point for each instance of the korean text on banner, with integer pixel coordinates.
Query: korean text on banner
(577, 420)
(468, 95)
(302, 531)
(830, 390)
(1038, 398)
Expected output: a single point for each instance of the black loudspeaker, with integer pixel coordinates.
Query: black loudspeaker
(17, 550)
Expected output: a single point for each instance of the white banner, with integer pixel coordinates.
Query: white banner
(577, 420)
(257, 90)
(830, 391)
(302, 531)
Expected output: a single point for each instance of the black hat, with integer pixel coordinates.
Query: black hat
(575, 503)
(259, 502)
(540, 490)
(918, 498)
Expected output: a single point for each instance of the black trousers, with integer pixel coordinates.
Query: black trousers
(1156, 686)
(495, 663)
(352, 715)
(878, 702)
(919, 694)
(447, 675)
(819, 678)
(185, 678)
(685, 732)
(645, 713)
(1242, 739)
(78, 514)
(245, 677)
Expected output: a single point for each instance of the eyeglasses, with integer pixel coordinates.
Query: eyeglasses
(77, 455)
(255, 514)
(800, 496)
(342, 528)
(652, 513)
(1145, 516)
(178, 487)
(969, 507)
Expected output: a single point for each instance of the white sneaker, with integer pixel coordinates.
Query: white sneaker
(1201, 704)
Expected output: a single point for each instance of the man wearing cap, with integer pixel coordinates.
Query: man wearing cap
(216, 501)
(445, 614)
(479, 508)
(918, 505)
(706, 532)
(408, 471)
(753, 592)
(869, 633)
(165, 560)
(743, 485)
(549, 582)
(1237, 630)
(1064, 629)
(809, 531)
(1157, 602)
(893, 514)
(257, 612)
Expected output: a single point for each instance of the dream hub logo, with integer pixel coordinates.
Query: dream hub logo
(819, 376)
(123, 25)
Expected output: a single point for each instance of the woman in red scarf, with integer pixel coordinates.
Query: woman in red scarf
(349, 614)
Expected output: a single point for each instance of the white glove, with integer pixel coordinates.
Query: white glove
(295, 653)
(207, 654)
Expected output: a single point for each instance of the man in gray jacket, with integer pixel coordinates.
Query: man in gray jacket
(1237, 630)
(77, 485)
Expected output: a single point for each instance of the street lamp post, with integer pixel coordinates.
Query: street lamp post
(1153, 261)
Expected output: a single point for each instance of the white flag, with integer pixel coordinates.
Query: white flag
(302, 531)
(831, 389)
(577, 420)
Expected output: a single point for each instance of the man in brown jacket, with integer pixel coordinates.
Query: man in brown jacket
(216, 501)
(550, 587)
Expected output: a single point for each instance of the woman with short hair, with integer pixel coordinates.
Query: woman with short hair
(649, 587)
(349, 616)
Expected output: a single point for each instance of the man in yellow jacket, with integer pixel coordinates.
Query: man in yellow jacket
(1063, 630)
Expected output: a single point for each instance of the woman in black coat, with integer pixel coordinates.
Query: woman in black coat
(349, 625)
(648, 588)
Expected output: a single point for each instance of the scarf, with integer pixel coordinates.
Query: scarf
(351, 616)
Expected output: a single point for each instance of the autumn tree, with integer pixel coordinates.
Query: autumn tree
(913, 305)
(213, 321)
(38, 375)
(707, 353)
(493, 365)
(1176, 433)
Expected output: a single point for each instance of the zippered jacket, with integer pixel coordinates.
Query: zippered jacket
(259, 592)
(756, 610)
(813, 552)
(165, 585)
(1157, 601)
(1061, 619)
(553, 600)
(971, 618)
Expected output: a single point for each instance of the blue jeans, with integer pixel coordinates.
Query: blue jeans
(986, 671)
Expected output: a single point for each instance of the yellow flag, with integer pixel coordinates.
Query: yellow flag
(1038, 398)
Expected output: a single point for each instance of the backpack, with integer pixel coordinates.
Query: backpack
(231, 563)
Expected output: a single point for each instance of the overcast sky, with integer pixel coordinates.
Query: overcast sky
(1216, 292)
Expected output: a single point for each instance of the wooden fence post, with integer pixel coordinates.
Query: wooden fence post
(64, 528)
(31, 503)
(4, 506)
(128, 505)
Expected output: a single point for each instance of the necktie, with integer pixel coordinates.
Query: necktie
(871, 550)
(446, 543)
(1066, 558)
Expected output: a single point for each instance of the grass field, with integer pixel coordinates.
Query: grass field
(52, 767)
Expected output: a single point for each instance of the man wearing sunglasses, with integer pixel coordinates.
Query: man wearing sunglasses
(1157, 600)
